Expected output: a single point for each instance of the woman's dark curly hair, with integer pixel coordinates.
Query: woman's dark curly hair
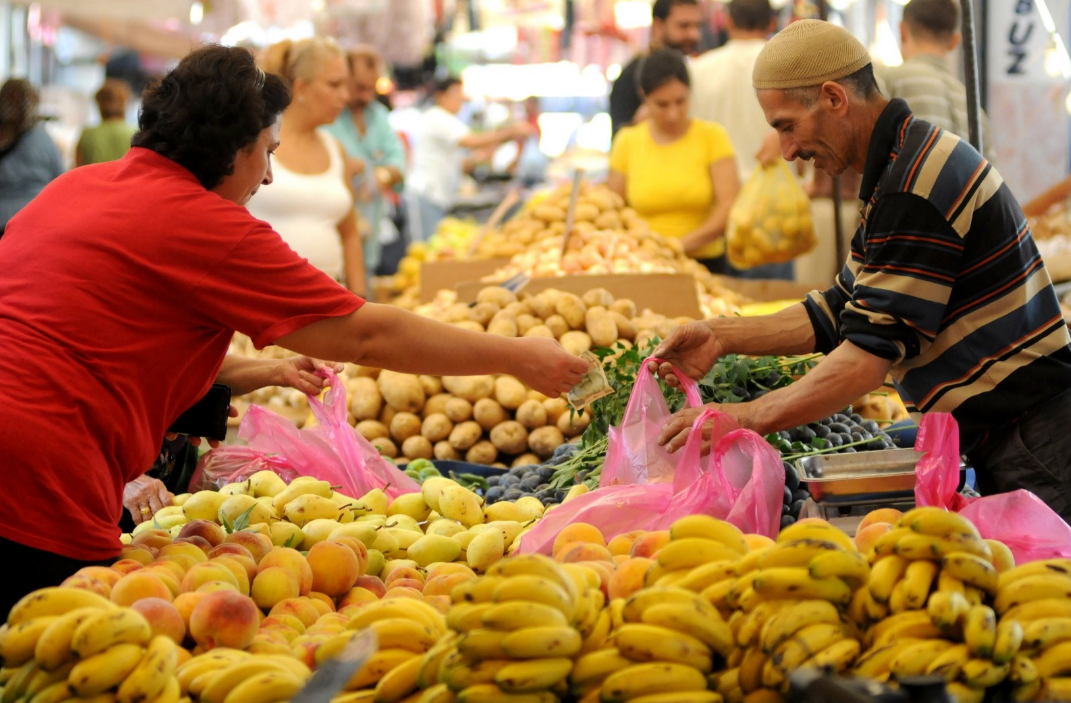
(213, 104)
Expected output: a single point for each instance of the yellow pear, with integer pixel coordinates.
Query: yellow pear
(411, 505)
(530, 505)
(342, 499)
(432, 487)
(461, 504)
(309, 507)
(266, 483)
(203, 505)
(376, 560)
(297, 488)
(403, 536)
(505, 510)
(392, 564)
(235, 506)
(374, 501)
(127, 538)
(403, 522)
(510, 529)
(286, 534)
(361, 531)
(377, 520)
(181, 498)
(464, 538)
(317, 531)
(432, 548)
(483, 551)
(262, 528)
(237, 489)
(444, 527)
(385, 542)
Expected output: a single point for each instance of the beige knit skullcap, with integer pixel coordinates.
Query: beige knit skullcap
(806, 53)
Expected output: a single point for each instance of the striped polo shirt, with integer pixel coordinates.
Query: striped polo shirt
(944, 280)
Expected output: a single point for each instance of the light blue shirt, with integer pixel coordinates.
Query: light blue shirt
(26, 170)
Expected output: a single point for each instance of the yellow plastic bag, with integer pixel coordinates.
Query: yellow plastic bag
(770, 222)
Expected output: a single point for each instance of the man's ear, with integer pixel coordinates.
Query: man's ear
(834, 98)
(954, 41)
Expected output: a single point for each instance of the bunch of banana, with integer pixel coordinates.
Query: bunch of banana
(231, 676)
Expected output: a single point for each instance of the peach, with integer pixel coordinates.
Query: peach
(440, 603)
(201, 574)
(224, 619)
(403, 592)
(200, 542)
(622, 544)
(300, 608)
(191, 550)
(578, 532)
(442, 585)
(322, 601)
(449, 568)
(241, 576)
(137, 552)
(172, 567)
(185, 604)
(292, 559)
(356, 596)
(583, 551)
(245, 563)
(350, 610)
(257, 544)
(332, 620)
(263, 645)
(605, 570)
(335, 568)
(213, 586)
(285, 620)
(152, 538)
(866, 538)
(757, 542)
(371, 583)
(274, 584)
(135, 586)
(88, 583)
(167, 576)
(230, 549)
(126, 566)
(305, 652)
(620, 559)
(647, 545)
(183, 656)
(183, 560)
(404, 572)
(889, 515)
(205, 529)
(357, 547)
(278, 634)
(163, 617)
(628, 577)
(406, 583)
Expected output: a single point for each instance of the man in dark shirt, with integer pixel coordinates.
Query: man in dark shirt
(674, 25)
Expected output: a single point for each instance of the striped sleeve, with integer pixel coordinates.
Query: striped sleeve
(900, 295)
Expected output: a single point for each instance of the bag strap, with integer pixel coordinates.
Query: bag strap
(687, 385)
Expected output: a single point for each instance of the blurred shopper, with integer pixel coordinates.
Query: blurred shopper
(376, 153)
(29, 159)
(929, 34)
(110, 140)
(722, 93)
(439, 157)
(311, 202)
(674, 25)
(678, 173)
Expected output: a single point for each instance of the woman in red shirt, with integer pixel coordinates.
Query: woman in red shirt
(123, 285)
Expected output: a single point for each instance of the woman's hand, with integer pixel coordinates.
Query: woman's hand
(691, 348)
(300, 372)
(144, 497)
(547, 368)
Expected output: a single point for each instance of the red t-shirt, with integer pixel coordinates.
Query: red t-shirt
(121, 286)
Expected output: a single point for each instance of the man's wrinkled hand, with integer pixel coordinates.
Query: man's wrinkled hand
(692, 349)
(144, 497)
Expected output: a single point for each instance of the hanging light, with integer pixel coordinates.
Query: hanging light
(197, 13)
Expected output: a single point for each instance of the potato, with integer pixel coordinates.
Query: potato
(464, 435)
(483, 452)
(372, 429)
(517, 308)
(601, 327)
(576, 343)
(469, 325)
(457, 312)
(444, 452)
(572, 424)
(598, 296)
(557, 325)
(504, 324)
(497, 295)
(417, 447)
(625, 307)
(471, 388)
(402, 392)
(539, 331)
(608, 220)
(625, 328)
(499, 465)
(387, 414)
(525, 460)
(536, 395)
(433, 385)
(542, 306)
(572, 310)
(532, 414)
(526, 322)
(585, 212)
(549, 213)
(510, 437)
(367, 400)
(509, 392)
(545, 440)
(488, 413)
(458, 410)
(554, 408)
(437, 427)
(437, 404)
(665, 328)
(385, 447)
(403, 426)
(683, 320)
(483, 313)
(644, 337)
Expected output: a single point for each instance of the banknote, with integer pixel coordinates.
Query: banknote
(592, 386)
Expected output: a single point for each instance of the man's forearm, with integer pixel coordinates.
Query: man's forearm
(247, 375)
(784, 333)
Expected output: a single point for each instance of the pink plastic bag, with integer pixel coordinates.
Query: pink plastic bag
(234, 464)
(1019, 519)
(633, 454)
(331, 451)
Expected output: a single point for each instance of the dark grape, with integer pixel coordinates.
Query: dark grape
(857, 418)
(834, 439)
(786, 509)
(797, 506)
(519, 471)
(509, 480)
(847, 450)
(788, 494)
(800, 494)
(545, 473)
(493, 480)
(513, 494)
(821, 431)
(792, 477)
(840, 428)
(871, 426)
(787, 520)
(530, 482)
(494, 494)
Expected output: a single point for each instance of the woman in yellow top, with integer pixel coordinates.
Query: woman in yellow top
(678, 173)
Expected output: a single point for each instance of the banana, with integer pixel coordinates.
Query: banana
(803, 645)
(751, 624)
(641, 600)
(1039, 610)
(707, 575)
(105, 629)
(918, 546)
(1042, 634)
(1023, 669)
(751, 667)
(465, 675)
(223, 682)
(490, 693)
(592, 669)
(974, 595)
(431, 663)
(1032, 588)
(399, 608)
(857, 612)
(983, 673)
(886, 544)
(20, 679)
(535, 589)
(874, 663)
(788, 622)
(1009, 640)
(838, 656)
(646, 679)
(213, 660)
(737, 590)
(947, 582)
(171, 692)
(465, 617)
(1054, 661)
(533, 675)
(146, 682)
(772, 676)
(42, 679)
(517, 614)
(541, 642)
(1026, 691)
(53, 647)
(980, 631)
(929, 520)
(645, 643)
(913, 660)
(851, 566)
(960, 693)
(105, 670)
(884, 576)
(20, 641)
(439, 693)
(56, 600)
(797, 553)
(815, 530)
(725, 681)
(599, 634)
(949, 663)
(797, 583)
(706, 527)
(679, 697)
(875, 611)
(377, 666)
(911, 624)
(401, 633)
(479, 590)
(1058, 567)
(266, 687)
(53, 693)
(482, 644)
(691, 552)
(399, 682)
(1056, 689)
(750, 561)
(946, 608)
(918, 577)
(897, 603)
(972, 569)
(707, 627)
(535, 565)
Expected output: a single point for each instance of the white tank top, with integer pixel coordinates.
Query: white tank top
(306, 209)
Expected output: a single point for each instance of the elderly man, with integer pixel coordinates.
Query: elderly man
(943, 289)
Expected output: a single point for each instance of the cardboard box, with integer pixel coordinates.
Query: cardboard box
(766, 291)
(447, 274)
(670, 294)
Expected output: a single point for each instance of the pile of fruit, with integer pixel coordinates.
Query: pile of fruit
(770, 223)
(452, 239)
